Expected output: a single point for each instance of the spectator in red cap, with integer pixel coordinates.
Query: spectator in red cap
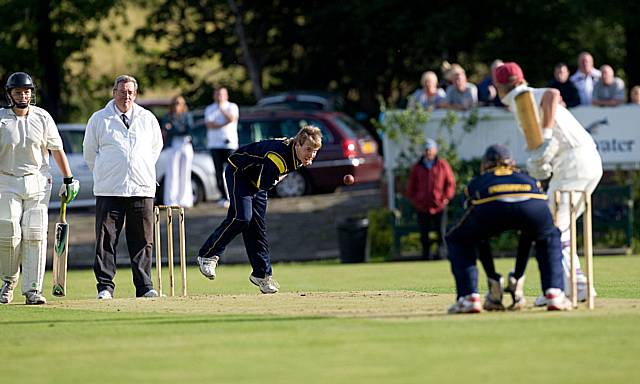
(568, 156)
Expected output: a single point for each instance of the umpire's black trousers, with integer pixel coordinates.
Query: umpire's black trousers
(136, 215)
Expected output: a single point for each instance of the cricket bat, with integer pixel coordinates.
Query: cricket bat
(60, 253)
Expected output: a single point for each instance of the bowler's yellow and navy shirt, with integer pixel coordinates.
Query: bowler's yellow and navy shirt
(503, 184)
(264, 162)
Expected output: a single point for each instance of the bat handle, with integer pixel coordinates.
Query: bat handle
(63, 212)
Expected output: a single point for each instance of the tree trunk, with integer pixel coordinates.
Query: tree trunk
(252, 68)
(52, 68)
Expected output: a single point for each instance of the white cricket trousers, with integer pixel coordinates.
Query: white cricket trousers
(580, 169)
(23, 228)
(177, 179)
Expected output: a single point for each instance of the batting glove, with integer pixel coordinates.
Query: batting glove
(545, 152)
(69, 189)
(539, 171)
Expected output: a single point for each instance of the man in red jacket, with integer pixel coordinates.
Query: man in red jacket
(430, 186)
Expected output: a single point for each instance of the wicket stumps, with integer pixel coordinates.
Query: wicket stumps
(574, 199)
(169, 209)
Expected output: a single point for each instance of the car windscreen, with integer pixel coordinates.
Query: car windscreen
(250, 130)
(296, 105)
(351, 127)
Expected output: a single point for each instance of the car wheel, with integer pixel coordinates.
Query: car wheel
(197, 189)
(295, 184)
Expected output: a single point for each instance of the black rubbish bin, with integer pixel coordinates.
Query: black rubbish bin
(352, 239)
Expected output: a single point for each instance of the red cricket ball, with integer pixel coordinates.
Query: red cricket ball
(348, 179)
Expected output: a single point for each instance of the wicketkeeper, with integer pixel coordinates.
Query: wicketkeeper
(500, 199)
(565, 152)
(253, 170)
(27, 134)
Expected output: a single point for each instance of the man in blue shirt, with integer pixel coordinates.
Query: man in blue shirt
(253, 170)
(499, 199)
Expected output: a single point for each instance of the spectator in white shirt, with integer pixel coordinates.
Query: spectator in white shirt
(585, 77)
(221, 119)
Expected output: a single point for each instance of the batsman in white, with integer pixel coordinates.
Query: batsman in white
(27, 134)
(568, 156)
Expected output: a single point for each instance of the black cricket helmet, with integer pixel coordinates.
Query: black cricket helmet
(19, 80)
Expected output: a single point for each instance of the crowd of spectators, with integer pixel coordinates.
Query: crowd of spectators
(587, 86)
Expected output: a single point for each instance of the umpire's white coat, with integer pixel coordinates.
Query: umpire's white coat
(123, 160)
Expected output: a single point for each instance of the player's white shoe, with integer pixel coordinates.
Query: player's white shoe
(467, 304)
(6, 292)
(493, 299)
(151, 293)
(267, 285)
(208, 266)
(557, 300)
(34, 298)
(104, 295)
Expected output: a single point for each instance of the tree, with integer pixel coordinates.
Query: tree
(45, 38)
(366, 48)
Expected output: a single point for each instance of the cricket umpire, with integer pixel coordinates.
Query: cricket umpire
(499, 199)
(255, 169)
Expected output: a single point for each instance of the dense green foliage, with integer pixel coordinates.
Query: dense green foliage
(362, 49)
(49, 40)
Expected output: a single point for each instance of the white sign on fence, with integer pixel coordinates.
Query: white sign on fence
(616, 131)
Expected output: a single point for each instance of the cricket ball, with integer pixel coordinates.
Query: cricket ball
(348, 179)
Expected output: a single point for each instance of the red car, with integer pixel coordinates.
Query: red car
(347, 148)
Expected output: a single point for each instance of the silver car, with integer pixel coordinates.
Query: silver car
(203, 177)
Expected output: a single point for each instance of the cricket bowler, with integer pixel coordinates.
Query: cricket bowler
(27, 134)
(253, 170)
(563, 151)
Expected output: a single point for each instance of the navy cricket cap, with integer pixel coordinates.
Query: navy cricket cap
(496, 153)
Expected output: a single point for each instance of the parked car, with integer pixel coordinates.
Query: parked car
(203, 181)
(304, 100)
(347, 147)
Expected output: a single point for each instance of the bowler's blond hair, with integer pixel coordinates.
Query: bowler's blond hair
(309, 133)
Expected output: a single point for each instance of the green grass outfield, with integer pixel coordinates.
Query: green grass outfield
(331, 323)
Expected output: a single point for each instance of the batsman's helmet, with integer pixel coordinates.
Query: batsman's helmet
(18, 80)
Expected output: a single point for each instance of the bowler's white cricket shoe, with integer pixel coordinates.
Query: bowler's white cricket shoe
(267, 285)
(151, 293)
(467, 304)
(104, 295)
(208, 266)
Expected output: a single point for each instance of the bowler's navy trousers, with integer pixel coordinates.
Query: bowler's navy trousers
(246, 215)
